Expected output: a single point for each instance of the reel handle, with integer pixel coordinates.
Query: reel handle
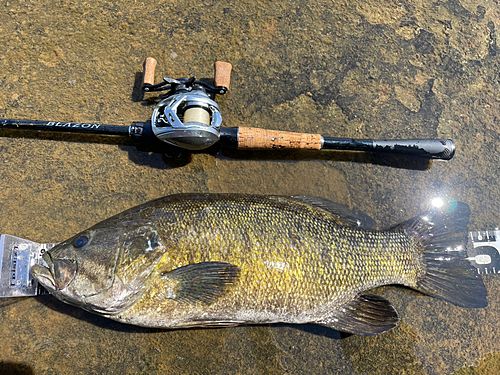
(222, 74)
(149, 72)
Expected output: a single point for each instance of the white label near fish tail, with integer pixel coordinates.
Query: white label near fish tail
(484, 253)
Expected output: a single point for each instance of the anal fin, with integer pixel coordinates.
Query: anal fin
(366, 315)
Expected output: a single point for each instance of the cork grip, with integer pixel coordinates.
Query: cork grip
(149, 71)
(222, 74)
(263, 139)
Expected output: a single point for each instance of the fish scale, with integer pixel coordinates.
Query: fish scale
(305, 278)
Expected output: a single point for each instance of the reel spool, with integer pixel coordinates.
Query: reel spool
(188, 117)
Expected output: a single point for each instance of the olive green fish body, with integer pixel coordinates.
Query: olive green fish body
(216, 259)
(296, 263)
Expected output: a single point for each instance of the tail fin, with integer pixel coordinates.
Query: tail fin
(448, 275)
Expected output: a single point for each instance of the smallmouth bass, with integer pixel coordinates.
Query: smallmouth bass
(201, 260)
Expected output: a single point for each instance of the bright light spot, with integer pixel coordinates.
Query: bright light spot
(437, 202)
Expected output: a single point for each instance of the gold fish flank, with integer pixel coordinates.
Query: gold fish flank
(329, 261)
(231, 259)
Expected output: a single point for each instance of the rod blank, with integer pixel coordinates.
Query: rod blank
(66, 127)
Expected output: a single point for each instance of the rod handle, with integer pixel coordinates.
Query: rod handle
(149, 72)
(223, 73)
(263, 139)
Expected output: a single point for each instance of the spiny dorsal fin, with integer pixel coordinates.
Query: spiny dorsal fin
(201, 282)
(366, 315)
(343, 214)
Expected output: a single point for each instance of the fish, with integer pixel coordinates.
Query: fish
(221, 260)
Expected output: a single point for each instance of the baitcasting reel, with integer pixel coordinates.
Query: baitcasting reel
(188, 117)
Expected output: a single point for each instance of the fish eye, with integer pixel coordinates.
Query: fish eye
(80, 241)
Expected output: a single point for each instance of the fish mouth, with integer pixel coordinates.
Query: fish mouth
(44, 276)
(58, 275)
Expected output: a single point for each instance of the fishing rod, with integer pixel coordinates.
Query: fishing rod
(188, 118)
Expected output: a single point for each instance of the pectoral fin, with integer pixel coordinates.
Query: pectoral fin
(367, 315)
(201, 282)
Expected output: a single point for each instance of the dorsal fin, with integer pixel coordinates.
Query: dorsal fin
(343, 214)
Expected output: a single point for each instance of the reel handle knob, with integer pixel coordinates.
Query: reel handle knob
(149, 72)
(222, 73)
